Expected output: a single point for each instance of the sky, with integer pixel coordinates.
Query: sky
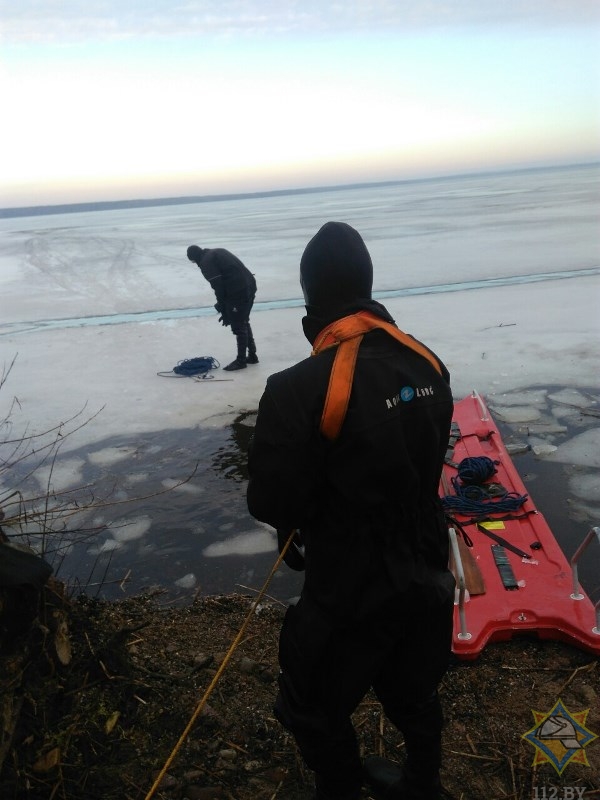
(108, 100)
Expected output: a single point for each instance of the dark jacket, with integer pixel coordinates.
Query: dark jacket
(231, 281)
(366, 504)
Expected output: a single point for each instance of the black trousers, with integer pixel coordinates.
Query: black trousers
(326, 670)
(238, 314)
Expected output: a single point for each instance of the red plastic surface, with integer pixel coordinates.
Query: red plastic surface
(542, 605)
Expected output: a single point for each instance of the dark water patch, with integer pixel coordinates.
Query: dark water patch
(550, 483)
(159, 503)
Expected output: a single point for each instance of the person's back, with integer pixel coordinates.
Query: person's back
(217, 262)
(365, 500)
(379, 477)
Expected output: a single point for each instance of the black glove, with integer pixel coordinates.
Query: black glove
(223, 320)
(294, 556)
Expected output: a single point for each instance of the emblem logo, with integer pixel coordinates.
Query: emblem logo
(560, 737)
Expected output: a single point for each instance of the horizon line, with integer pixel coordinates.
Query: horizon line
(108, 205)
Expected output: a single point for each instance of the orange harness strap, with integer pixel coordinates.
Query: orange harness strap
(347, 334)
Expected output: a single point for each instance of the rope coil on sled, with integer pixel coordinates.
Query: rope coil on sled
(475, 497)
(476, 469)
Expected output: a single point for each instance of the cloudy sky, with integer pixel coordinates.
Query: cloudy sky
(110, 99)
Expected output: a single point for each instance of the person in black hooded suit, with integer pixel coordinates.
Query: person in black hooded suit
(376, 604)
(235, 288)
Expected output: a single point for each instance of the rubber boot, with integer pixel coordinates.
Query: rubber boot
(240, 361)
(389, 781)
(252, 357)
(320, 796)
(343, 787)
(384, 778)
(419, 779)
(422, 730)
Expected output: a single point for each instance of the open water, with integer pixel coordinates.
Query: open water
(190, 530)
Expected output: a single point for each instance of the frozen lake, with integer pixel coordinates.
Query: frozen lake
(499, 274)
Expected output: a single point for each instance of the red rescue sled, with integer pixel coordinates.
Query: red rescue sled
(514, 578)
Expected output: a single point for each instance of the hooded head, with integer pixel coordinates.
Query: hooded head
(194, 253)
(335, 269)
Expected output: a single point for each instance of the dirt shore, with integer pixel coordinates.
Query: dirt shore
(97, 698)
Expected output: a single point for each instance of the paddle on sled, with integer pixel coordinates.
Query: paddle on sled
(474, 582)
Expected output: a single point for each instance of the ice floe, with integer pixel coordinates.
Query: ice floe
(247, 543)
(185, 488)
(514, 414)
(60, 474)
(110, 455)
(531, 397)
(187, 581)
(126, 530)
(586, 487)
(546, 422)
(582, 450)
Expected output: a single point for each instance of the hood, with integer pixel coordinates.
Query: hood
(335, 269)
(336, 275)
(195, 253)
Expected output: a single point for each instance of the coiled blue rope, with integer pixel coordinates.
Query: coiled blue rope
(472, 498)
(196, 366)
(476, 470)
(189, 367)
(484, 505)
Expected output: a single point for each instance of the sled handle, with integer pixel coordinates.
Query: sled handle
(463, 633)
(577, 594)
(482, 409)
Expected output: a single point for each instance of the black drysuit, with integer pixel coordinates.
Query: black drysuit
(234, 287)
(376, 605)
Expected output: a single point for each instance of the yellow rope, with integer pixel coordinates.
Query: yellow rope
(220, 671)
